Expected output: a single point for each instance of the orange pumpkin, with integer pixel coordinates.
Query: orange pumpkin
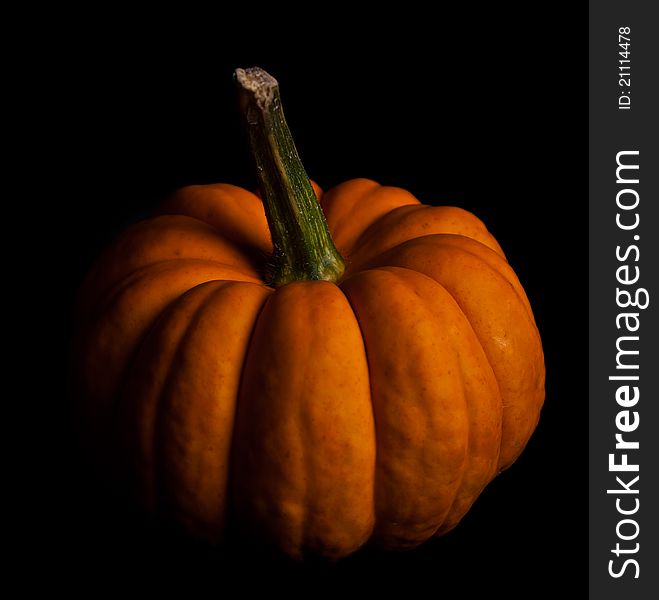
(364, 378)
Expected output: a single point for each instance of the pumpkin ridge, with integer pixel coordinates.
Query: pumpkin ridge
(196, 416)
(299, 438)
(353, 195)
(405, 208)
(450, 521)
(446, 221)
(168, 236)
(494, 266)
(530, 397)
(375, 188)
(449, 517)
(157, 438)
(370, 385)
(241, 382)
(180, 262)
(346, 217)
(210, 204)
(425, 518)
(110, 295)
(138, 450)
(498, 263)
(495, 381)
(88, 330)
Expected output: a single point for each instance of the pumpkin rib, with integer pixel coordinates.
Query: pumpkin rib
(485, 416)
(494, 260)
(155, 438)
(148, 378)
(224, 272)
(402, 315)
(194, 422)
(407, 223)
(472, 246)
(509, 337)
(102, 281)
(352, 206)
(385, 263)
(106, 345)
(295, 435)
(234, 212)
(172, 236)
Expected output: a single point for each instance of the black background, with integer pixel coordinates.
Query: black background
(484, 111)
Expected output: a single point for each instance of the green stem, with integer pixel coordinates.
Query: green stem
(303, 246)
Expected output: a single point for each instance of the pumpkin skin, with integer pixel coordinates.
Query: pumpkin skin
(319, 415)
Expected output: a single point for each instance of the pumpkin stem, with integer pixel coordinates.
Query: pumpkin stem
(303, 246)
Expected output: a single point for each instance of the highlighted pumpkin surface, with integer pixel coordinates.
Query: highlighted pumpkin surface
(373, 405)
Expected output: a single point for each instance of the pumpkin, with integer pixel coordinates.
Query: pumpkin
(324, 369)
